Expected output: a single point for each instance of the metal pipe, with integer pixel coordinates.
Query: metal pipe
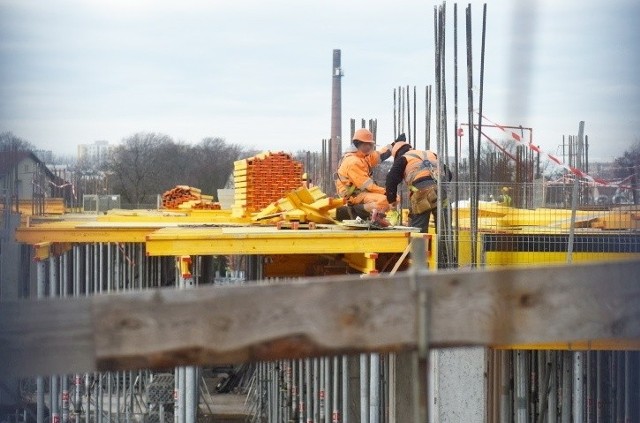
(505, 386)
(191, 397)
(578, 390)
(395, 123)
(130, 384)
(335, 418)
(472, 164)
(520, 408)
(322, 409)
(316, 389)
(392, 382)
(77, 406)
(628, 395)
(415, 134)
(552, 407)
(54, 285)
(327, 389)
(40, 293)
(456, 137)
(408, 105)
(591, 386)
(309, 409)
(364, 388)
(65, 380)
(190, 380)
(345, 389)
(87, 290)
(374, 389)
(566, 386)
(620, 393)
(301, 395)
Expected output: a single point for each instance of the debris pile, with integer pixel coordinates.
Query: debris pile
(186, 197)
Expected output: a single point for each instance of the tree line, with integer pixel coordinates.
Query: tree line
(146, 164)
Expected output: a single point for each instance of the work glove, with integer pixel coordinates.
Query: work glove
(401, 137)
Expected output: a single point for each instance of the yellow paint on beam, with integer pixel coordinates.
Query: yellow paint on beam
(41, 251)
(196, 241)
(365, 263)
(592, 345)
(82, 234)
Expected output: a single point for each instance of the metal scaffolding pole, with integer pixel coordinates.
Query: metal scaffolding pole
(54, 286)
(65, 380)
(301, 397)
(552, 407)
(345, 384)
(41, 288)
(309, 409)
(326, 388)
(505, 385)
(374, 389)
(566, 386)
(521, 415)
(334, 394)
(578, 389)
(316, 389)
(364, 388)
(77, 403)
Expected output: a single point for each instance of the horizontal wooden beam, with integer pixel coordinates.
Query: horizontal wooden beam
(212, 325)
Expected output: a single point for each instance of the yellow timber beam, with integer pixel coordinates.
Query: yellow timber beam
(41, 251)
(74, 232)
(592, 345)
(203, 241)
(366, 262)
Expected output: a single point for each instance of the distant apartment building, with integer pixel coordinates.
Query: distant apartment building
(95, 153)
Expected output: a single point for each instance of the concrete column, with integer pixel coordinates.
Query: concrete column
(459, 395)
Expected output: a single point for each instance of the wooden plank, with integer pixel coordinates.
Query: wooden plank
(41, 336)
(213, 325)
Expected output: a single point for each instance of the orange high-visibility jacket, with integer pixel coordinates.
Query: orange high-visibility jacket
(355, 170)
(420, 164)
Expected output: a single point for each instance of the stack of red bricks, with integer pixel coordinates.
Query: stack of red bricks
(262, 179)
(186, 197)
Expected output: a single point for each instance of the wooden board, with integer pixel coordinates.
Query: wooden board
(213, 325)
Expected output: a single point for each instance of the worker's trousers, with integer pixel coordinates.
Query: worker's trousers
(371, 200)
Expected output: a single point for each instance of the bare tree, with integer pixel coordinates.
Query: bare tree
(213, 160)
(10, 142)
(629, 162)
(136, 167)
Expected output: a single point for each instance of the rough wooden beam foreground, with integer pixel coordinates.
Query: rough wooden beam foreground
(209, 325)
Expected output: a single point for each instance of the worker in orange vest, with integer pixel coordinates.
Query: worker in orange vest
(419, 170)
(354, 180)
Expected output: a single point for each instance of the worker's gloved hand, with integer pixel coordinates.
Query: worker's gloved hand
(401, 137)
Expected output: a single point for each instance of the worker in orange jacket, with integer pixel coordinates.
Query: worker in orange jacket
(354, 182)
(419, 170)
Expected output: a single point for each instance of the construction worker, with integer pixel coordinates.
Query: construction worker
(419, 169)
(505, 198)
(354, 180)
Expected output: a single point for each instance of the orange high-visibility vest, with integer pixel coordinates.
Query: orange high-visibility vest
(420, 164)
(354, 174)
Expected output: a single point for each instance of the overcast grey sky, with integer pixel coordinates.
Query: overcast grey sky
(258, 73)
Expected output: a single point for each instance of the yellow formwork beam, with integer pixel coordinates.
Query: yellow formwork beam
(202, 241)
(365, 262)
(171, 216)
(41, 251)
(74, 232)
(591, 345)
